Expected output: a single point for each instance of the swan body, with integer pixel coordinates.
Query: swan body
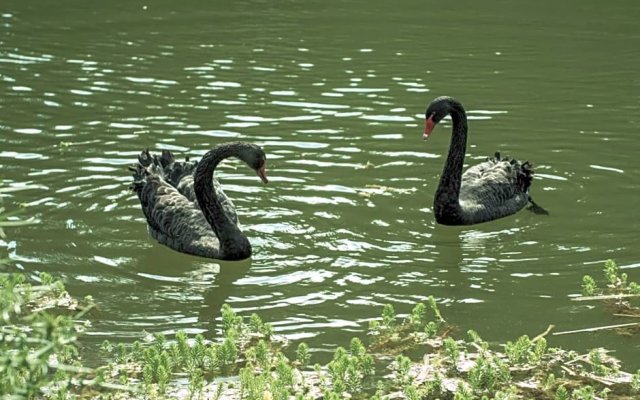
(184, 205)
(490, 190)
(179, 174)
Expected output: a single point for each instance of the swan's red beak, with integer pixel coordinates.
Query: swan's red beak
(428, 127)
(262, 173)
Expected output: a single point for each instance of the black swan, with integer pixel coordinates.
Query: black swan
(184, 205)
(493, 189)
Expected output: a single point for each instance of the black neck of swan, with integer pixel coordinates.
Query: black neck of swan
(233, 243)
(448, 192)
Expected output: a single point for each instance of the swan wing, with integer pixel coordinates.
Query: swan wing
(496, 184)
(171, 214)
(179, 174)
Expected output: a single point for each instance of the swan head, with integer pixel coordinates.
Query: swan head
(439, 108)
(256, 159)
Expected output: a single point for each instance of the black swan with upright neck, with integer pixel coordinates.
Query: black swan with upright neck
(493, 189)
(185, 206)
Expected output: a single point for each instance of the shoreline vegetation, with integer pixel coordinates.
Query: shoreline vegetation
(42, 327)
(414, 356)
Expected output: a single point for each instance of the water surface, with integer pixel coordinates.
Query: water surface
(335, 93)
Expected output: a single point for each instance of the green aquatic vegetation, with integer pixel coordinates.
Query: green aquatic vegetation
(476, 339)
(616, 282)
(452, 351)
(549, 382)
(38, 349)
(562, 393)
(527, 369)
(431, 329)
(487, 374)
(196, 383)
(418, 315)
(393, 334)
(411, 393)
(350, 369)
(403, 366)
(230, 320)
(227, 354)
(635, 382)
(262, 355)
(302, 355)
(597, 364)
(463, 393)
(619, 294)
(388, 316)
(517, 351)
(611, 272)
(584, 393)
(589, 286)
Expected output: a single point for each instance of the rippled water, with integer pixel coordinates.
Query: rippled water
(335, 94)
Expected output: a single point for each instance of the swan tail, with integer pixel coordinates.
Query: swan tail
(176, 170)
(147, 164)
(536, 208)
(166, 158)
(522, 171)
(139, 176)
(524, 175)
(145, 158)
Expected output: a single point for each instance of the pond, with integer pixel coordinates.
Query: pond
(335, 93)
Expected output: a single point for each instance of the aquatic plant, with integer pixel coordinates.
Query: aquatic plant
(448, 368)
(39, 328)
(618, 294)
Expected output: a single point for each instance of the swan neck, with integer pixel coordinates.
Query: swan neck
(448, 192)
(233, 243)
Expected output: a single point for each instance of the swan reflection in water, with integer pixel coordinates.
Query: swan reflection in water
(175, 283)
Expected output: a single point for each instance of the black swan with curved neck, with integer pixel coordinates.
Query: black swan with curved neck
(184, 205)
(493, 189)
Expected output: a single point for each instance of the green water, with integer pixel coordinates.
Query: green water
(335, 93)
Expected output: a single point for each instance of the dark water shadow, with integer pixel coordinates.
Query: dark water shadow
(223, 288)
(212, 280)
(448, 243)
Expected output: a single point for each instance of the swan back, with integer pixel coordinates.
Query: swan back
(495, 188)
